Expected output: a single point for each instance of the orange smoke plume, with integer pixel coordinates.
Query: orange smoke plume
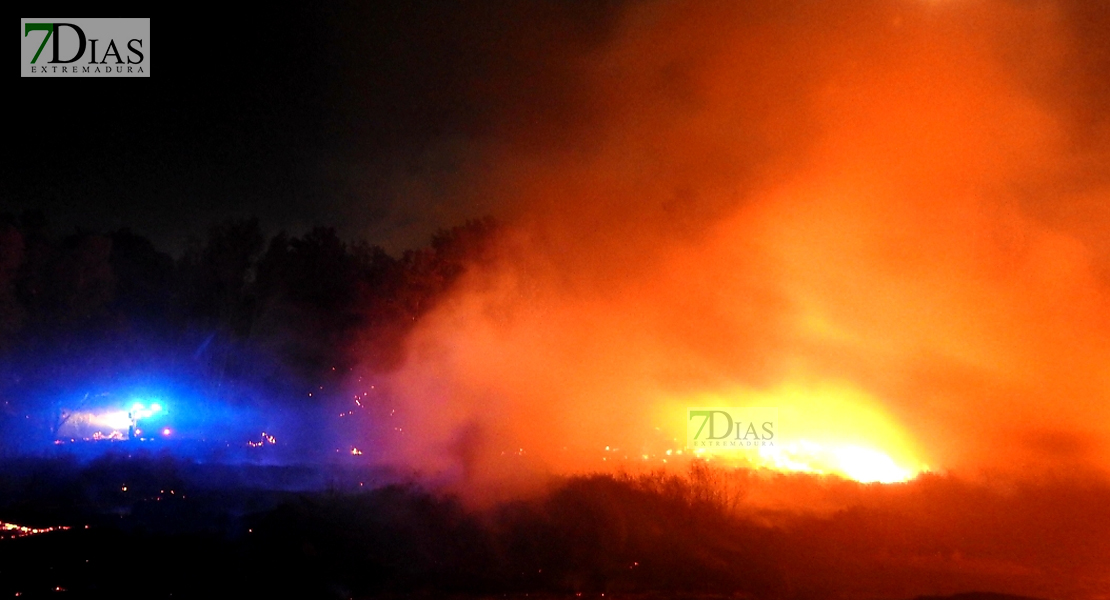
(887, 219)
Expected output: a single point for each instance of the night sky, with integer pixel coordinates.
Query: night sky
(351, 115)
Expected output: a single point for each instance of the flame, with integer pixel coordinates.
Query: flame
(265, 438)
(11, 530)
(866, 465)
(828, 429)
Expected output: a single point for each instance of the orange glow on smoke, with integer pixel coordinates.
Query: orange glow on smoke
(890, 223)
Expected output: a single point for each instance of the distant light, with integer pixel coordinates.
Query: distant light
(155, 407)
(118, 420)
(166, 431)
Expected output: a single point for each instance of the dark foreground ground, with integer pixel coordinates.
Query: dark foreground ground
(155, 527)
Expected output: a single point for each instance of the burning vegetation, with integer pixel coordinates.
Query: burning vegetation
(887, 221)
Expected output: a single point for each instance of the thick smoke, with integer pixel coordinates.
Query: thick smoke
(889, 209)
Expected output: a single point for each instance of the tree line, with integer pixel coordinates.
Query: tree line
(238, 314)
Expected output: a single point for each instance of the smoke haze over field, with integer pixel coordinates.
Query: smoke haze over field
(889, 212)
(887, 219)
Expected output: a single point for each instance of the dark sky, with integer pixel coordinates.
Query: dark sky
(353, 115)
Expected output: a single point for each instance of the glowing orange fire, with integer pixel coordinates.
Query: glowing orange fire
(888, 229)
(11, 530)
(265, 438)
(823, 430)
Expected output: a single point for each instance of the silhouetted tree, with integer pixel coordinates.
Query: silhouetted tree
(144, 279)
(11, 258)
(240, 316)
(217, 275)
